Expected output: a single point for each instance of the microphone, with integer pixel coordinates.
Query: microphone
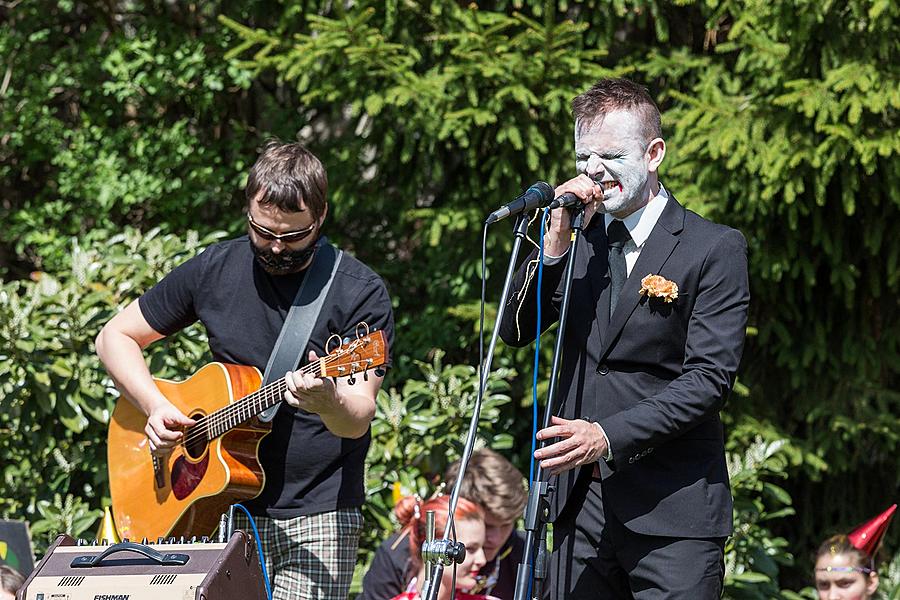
(566, 200)
(538, 195)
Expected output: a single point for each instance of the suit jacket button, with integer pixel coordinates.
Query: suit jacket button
(631, 460)
(602, 369)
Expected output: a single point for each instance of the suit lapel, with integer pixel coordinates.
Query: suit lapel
(656, 251)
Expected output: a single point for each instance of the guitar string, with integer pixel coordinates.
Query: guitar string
(209, 423)
(205, 426)
(274, 391)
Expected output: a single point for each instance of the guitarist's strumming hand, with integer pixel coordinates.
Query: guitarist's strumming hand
(308, 392)
(164, 427)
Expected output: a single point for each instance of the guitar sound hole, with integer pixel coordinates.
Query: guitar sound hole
(195, 440)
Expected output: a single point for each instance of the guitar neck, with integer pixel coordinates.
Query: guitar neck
(227, 418)
(357, 356)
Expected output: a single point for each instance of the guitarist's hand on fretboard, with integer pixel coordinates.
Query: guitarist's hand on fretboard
(164, 427)
(346, 404)
(309, 392)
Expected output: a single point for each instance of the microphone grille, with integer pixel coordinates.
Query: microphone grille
(543, 188)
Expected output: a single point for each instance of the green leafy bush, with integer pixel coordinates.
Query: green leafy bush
(55, 398)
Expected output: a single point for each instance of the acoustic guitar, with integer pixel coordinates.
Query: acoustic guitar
(216, 464)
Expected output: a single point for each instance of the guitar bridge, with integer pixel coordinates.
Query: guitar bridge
(158, 476)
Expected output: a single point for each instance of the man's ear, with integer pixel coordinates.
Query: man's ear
(656, 152)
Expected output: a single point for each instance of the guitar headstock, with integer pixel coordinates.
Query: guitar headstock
(365, 352)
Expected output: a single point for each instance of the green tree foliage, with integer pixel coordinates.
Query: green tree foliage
(115, 114)
(781, 119)
(55, 399)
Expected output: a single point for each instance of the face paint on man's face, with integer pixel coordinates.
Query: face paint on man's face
(613, 152)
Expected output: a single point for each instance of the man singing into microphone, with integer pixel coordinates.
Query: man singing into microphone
(655, 332)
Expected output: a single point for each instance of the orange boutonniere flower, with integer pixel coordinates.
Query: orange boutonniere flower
(656, 286)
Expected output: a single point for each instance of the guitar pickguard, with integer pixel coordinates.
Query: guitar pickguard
(186, 476)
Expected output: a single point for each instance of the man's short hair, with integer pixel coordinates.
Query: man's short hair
(493, 483)
(288, 176)
(612, 94)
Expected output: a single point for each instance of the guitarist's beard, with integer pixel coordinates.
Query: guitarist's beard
(285, 262)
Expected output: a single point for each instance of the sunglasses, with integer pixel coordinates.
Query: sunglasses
(285, 238)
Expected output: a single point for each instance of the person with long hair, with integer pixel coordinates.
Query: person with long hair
(469, 526)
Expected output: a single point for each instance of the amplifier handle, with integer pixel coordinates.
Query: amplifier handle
(82, 562)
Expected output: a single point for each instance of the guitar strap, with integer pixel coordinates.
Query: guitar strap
(301, 317)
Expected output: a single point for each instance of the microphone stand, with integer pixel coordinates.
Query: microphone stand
(538, 508)
(439, 553)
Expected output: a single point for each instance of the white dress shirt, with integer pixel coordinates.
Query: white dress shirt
(639, 224)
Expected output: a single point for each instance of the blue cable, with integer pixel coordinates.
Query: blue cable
(262, 558)
(537, 348)
(537, 355)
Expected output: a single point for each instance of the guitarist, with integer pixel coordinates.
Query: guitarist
(308, 513)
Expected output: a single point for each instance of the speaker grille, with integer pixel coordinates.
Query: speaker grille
(163, 579)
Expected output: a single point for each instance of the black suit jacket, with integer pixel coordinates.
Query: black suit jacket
(653, 374)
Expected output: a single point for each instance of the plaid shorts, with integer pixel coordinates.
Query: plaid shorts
(310, 557)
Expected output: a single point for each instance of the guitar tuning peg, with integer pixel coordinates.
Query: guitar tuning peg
(379, 371)
(351, 380)
(366, 375)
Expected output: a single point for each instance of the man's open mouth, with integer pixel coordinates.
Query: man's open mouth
(609, 185)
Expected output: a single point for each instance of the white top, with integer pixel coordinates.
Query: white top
(639, 224)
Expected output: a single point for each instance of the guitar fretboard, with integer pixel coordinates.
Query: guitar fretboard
(237, 413)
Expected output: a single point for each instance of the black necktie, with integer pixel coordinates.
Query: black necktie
(617, 235)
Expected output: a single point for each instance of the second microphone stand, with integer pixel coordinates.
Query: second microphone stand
(439, 553)
(538, 508)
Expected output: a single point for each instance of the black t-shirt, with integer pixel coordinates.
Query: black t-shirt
(390, 571)
(308, 469)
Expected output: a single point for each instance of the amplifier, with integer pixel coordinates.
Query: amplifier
(163, 571)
